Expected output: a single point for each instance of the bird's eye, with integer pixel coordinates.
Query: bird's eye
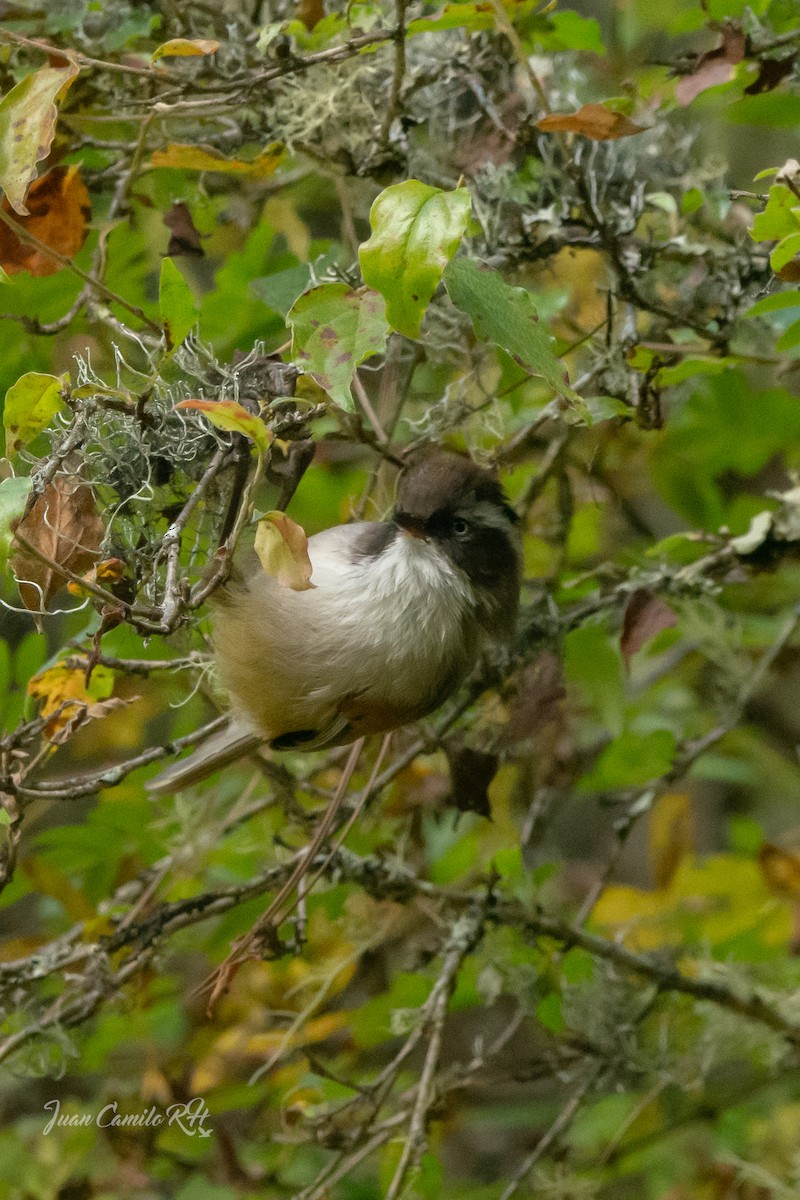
(460, 527)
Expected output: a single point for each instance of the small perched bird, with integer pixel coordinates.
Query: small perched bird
(397, 616)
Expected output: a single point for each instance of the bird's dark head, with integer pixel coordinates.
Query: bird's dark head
(450, 501)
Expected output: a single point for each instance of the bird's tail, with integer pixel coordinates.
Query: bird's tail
(232, 742)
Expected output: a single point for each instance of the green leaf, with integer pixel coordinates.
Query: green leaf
(570, 31)
(507, 317)
(785, 251)
(416, 230)
(774, 303)
(778, 218)
(778, 110)
(280, 289)
(593, 662)
(30, 405)
(630, 760)
(550, 1013)
(789, 338)
(454, 16)
(333, 330)
(176, 304)
(13, 495)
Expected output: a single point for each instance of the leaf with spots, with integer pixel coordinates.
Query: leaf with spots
(231, 416)
(30, 405)
(507, 317)
(282, 547)
(28, 115)
(416, 230)
(333, 330)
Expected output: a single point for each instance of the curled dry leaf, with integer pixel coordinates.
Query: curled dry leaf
(282, 547)
(65, 528)
(594, 121)
(28, 115)
(59, 211)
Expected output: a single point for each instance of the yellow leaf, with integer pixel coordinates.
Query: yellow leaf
(671, 835)
(64, 693)
(712, 901)
(198, 158)
(282, 547)
(185, 48)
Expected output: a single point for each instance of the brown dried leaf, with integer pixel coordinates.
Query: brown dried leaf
(65, 527)
(282, 547)
(82, 713)
(594, 121)
(185, 237)
(471, 773)
(60, 210)
(645, 616)
(781, 870)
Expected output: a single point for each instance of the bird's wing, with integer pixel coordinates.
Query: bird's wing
(221, 749)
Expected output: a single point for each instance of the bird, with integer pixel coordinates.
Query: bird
(399, 613)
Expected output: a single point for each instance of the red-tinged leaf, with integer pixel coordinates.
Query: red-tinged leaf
(282, 547)
(645, 616)
(65, 527)
(232, 417)
(594, 121)
(59, 213)
(28, 115)
(185, 48)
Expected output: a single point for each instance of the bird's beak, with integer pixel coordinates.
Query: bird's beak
(410, 526)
